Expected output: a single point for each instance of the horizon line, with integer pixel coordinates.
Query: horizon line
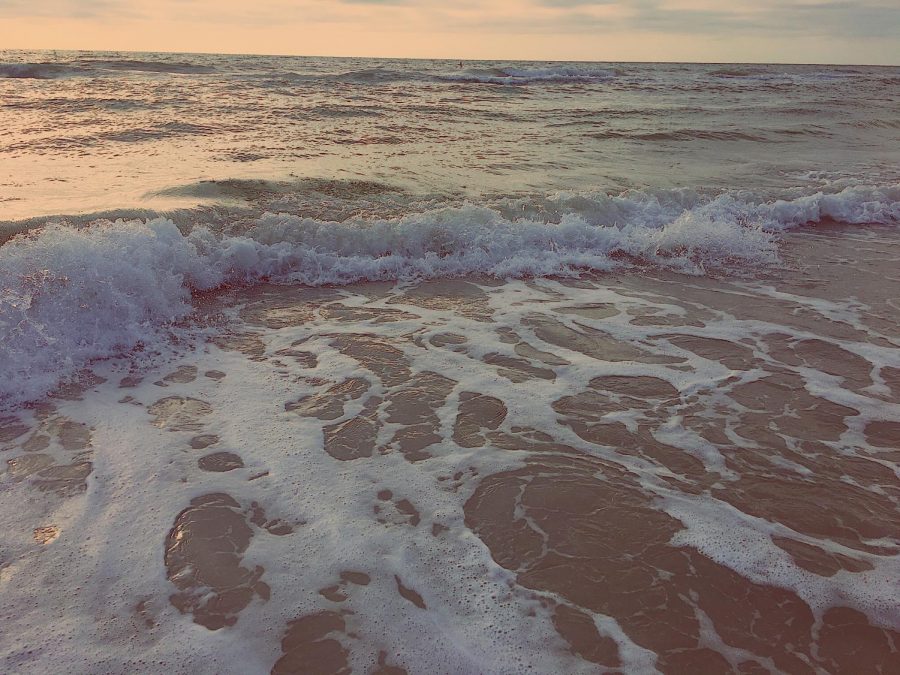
(456, 59)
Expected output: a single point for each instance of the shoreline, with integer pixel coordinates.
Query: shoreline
(339, 445)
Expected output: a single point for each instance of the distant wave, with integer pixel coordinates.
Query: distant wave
(150, 66)
(71, 295)
(164, 130)
(762, 76)
(36, 71)
(875, 123)
(376, 75)
(681, 135)
(500, 75)
(331, 111)
(92, 67)
(519, 76)
(734, 72)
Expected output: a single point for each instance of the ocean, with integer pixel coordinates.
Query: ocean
(382, 366)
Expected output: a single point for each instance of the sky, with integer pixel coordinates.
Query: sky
(783, 31)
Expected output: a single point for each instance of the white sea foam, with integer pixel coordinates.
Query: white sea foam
(476, 619)
(71, 295)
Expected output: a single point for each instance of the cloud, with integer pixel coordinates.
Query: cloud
(858, 18)
(80, 9)
(845, 18)
(646, 25)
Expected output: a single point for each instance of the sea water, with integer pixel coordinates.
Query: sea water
(311, 365)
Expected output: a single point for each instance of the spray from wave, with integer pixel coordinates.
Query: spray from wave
(71, 295)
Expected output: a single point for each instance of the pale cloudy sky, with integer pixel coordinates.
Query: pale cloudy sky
(815, 31)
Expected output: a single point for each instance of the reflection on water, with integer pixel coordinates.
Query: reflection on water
(86, 132)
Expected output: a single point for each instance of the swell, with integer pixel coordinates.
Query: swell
(505, 75)
(93, 67)
(763, 74)
(520, 76)
(136, 65)
(370, 76)
(285, 72)
(680, 135)
(133, 135)
(37, 71)
(71, 295)
(893, 123)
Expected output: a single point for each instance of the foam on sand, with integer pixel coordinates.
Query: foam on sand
(459, 475)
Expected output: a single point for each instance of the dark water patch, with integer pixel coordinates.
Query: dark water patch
(173, 67)
(600, 116)
(64, 105)
(758, 136)
(220, 462)
(94, 67)
(204, 555)
(375, 76)
(551, 74)
(337, 111)
(51, 146)
(76, 144)
(243, 157)
(735, 72)
(350, 139)
(893, 123)
(255, 190)
(815, 130)
(38, 71)
(681, 135)
(165, 130)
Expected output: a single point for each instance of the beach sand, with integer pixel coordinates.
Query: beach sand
(618, 472)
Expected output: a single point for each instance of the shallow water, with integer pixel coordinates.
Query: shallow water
(447, 413)
(88, 131)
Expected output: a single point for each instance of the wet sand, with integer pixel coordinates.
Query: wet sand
(617, 473)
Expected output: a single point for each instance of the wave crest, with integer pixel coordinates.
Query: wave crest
(69, 295)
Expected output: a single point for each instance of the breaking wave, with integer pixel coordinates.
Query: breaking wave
(69, 295)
